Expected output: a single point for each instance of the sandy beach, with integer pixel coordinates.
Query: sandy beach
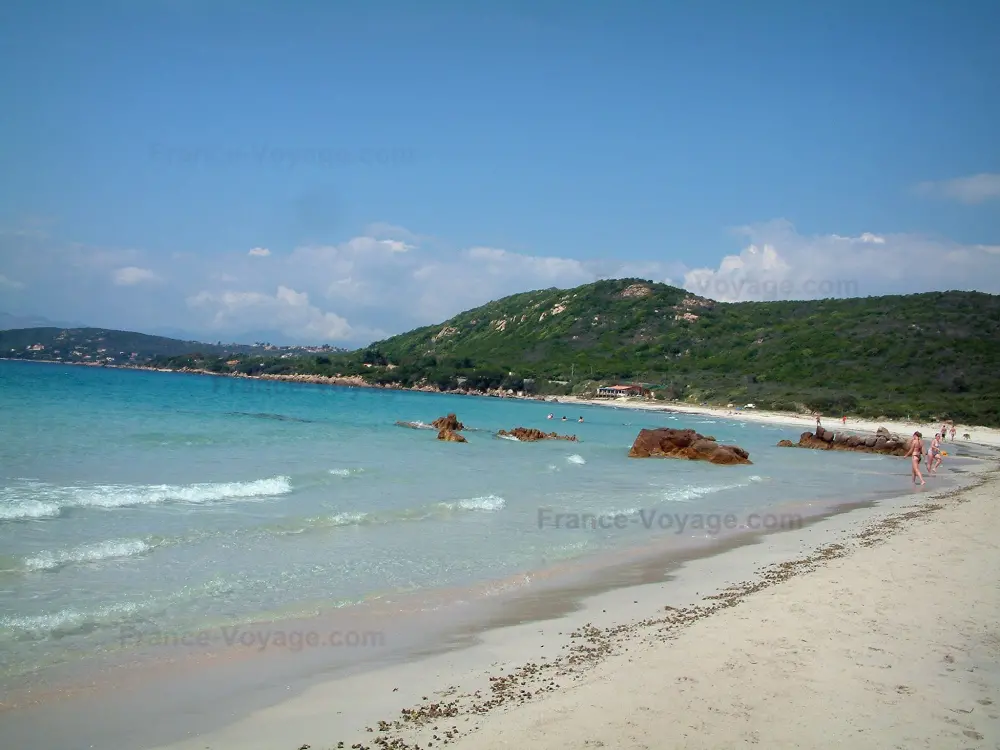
(977, 434)
(891, 641)
(875, 628)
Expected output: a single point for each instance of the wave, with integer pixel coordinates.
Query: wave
(687, 494)
(345, 472)
(576, 459)
(509, 437)
(88, 553)
(268, 415)
(488, 503)
(18, 504)
(67, 622)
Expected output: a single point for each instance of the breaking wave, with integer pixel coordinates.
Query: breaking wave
(576, 459)
(34, 500)
(88, 553)
(488, 503)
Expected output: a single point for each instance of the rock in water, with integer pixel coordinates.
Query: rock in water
(449, 422)
(669, 443)
(530, 435)
(882, 442)
(451, 436)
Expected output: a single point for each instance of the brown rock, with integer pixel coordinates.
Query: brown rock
(826, 440)
(668, 443)
(449, 422)
(530, 435)
(451, 436)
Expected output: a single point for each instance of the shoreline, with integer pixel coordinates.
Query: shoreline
(565, 592)
(989, 436)
(506, 691)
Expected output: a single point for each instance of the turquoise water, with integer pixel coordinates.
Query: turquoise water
(181, 501)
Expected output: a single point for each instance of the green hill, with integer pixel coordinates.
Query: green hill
(935, 354)
(930, 356)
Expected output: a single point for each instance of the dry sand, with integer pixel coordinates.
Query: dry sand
(876, 629)
(980, 435)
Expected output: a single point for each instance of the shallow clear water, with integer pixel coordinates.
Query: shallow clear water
(175, 502)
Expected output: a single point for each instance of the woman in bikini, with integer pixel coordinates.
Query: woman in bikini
(916, 450)
(934, 455)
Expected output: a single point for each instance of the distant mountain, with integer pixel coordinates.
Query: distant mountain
(119, 347)
(8, 321)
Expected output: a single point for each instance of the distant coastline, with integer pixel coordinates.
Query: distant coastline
(981, 435)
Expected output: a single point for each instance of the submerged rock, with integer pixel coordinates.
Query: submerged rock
(669, 443)
(451, 436)
(530, 435)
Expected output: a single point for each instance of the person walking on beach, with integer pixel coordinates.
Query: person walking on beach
(944, 431)
(953, 433)
(934, 455)
(916, 452)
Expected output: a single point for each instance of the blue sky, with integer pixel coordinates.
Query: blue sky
(399, 162)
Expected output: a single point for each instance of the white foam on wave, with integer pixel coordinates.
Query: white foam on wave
(65, 621)
(14, 505)
(347, 519)
(617, 512)
(509, 437)
(346, 472)
(576, 459)
(88, 553)
(27, 509)
(487, 503)
(687, 494)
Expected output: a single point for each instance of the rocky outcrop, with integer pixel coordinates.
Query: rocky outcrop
(451, 436)
(530, 435)
(449, 422)
(882, 442)
(669, 443)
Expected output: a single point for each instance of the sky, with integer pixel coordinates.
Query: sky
(317, 172)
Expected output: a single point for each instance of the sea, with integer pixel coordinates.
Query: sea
(143, 501)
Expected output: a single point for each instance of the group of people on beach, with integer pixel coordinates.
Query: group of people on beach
(935, 455)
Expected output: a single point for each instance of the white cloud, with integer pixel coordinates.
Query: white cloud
(355, 291)
(259, 252)
(9, 283)
(973, 189)
(287, 310)
(131, 275)
(779, 263)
